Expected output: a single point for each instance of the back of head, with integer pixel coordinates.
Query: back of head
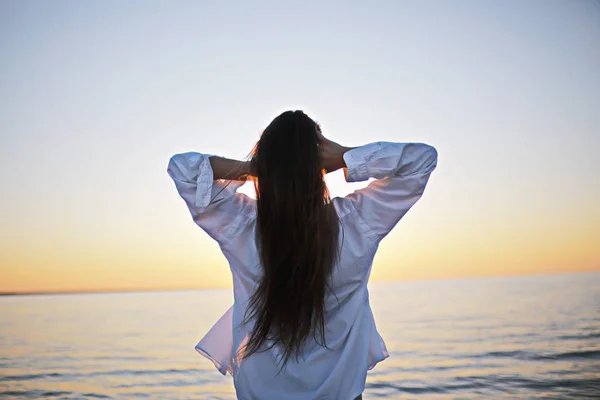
(297, 236)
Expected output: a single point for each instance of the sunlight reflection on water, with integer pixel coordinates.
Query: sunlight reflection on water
(522, 337)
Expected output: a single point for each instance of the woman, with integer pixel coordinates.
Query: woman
(301, 326)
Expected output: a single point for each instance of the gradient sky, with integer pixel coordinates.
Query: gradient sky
(96, 96)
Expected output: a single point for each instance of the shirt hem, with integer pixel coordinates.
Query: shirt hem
(220, 367)
(374, 363)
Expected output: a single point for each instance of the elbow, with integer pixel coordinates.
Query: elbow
(174, 167)
(171, 166)
(185, 167)
(432, 154)
(428, 158)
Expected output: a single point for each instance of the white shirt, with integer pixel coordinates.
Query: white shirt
(401, 172)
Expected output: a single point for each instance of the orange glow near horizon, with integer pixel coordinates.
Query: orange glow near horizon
(428, 243)
(415, 250)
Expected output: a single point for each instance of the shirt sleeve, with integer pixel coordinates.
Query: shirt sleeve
(215, 205)
(401, 172)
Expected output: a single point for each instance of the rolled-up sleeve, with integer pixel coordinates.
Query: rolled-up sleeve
(215, 205)
(401, 172)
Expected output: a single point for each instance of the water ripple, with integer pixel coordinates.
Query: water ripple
(518, 338)
(28, 377)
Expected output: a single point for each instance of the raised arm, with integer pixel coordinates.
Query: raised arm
(401, 171)
(208, 186)
(225, 168)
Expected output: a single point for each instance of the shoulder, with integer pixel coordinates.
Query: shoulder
(242, 211)
(227, 212)
(351, 218)
(343, 207)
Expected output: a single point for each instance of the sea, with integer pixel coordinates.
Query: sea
(486, 338)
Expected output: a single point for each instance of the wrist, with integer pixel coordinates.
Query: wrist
(343, 150)
(247, 168)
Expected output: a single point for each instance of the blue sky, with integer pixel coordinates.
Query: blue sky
(96, 96)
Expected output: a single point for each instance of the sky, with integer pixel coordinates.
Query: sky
(97, 96)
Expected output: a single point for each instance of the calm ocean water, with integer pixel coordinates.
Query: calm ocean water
(501, 338)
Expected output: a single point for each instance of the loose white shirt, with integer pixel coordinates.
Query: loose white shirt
(354, 346)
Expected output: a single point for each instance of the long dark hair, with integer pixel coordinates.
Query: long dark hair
(297, 235)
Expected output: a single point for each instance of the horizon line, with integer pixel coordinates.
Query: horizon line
(157, 290)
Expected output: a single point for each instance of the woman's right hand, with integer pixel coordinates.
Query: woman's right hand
(332, 153)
